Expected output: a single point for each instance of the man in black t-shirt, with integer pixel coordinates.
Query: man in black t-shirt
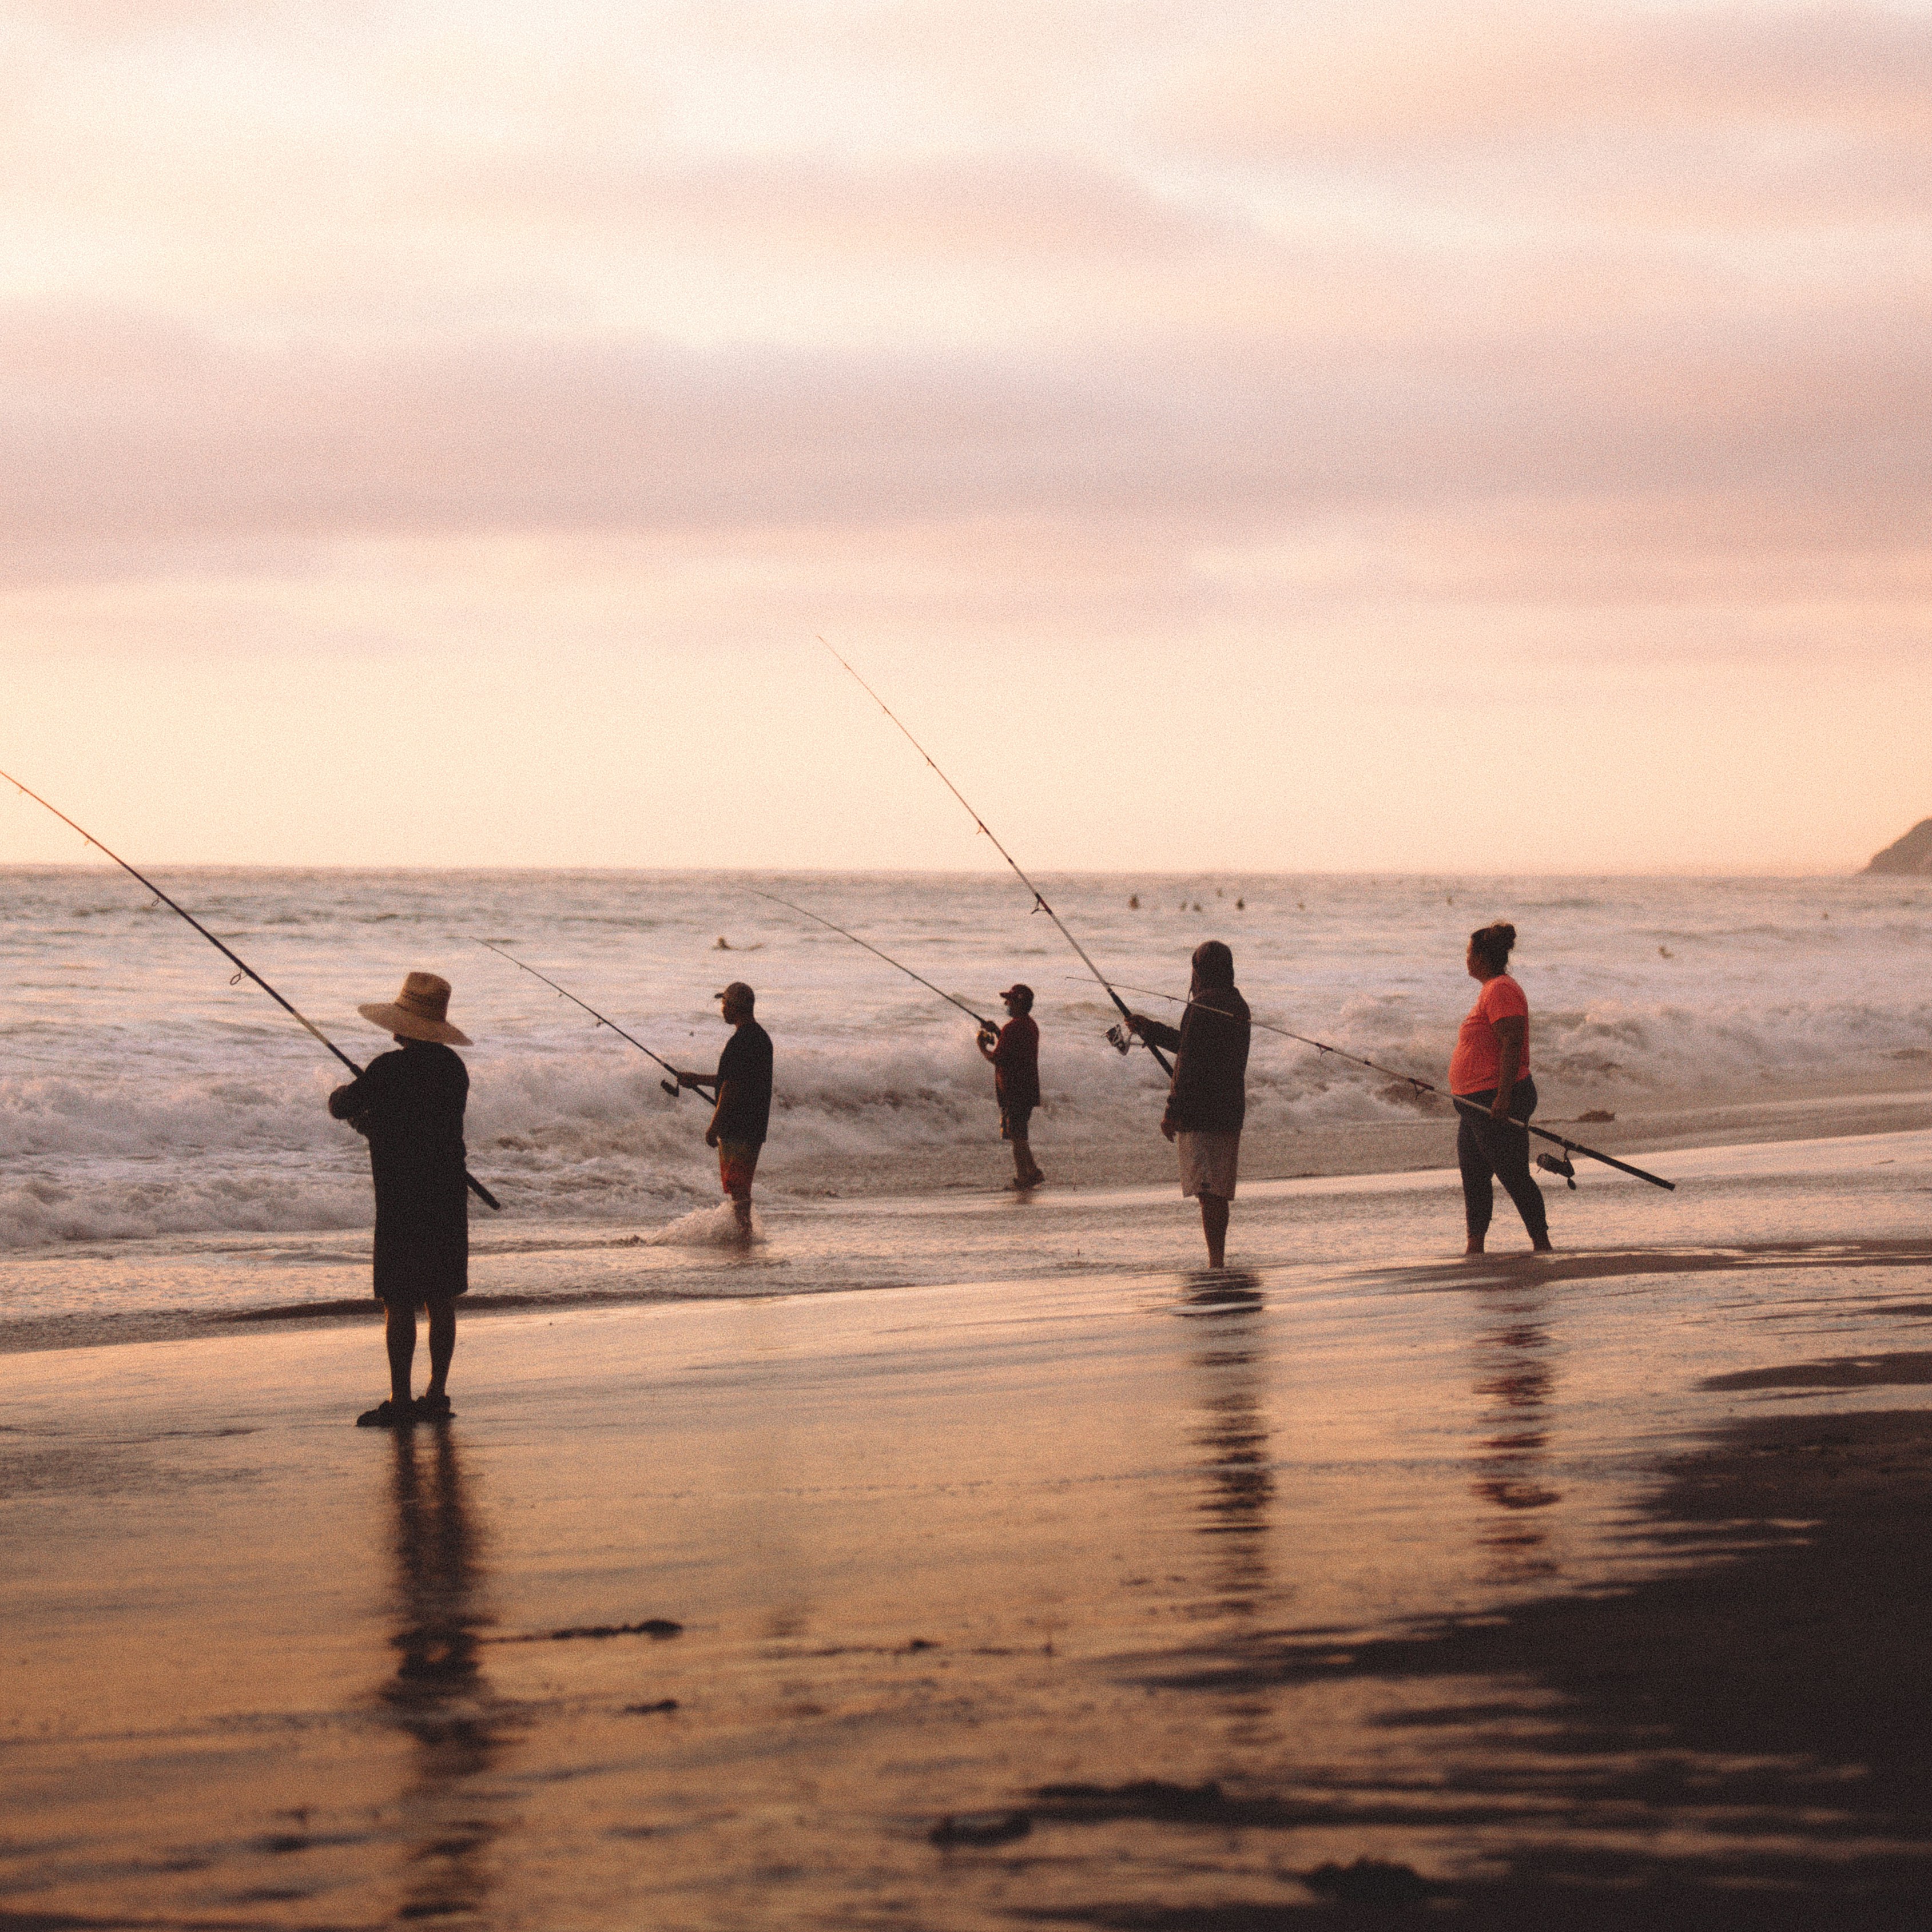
(743, 1087)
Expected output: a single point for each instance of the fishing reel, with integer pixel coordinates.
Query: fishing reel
(1120, 1038)
(671, 1087)
(1559, 1163)
(989, 1034)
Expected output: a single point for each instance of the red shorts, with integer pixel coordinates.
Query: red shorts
(737, 1162)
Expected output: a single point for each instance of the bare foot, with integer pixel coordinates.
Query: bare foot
(1473, 1248)
(1542, 1248)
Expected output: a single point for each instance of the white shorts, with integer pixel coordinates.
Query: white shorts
(1208, 1163)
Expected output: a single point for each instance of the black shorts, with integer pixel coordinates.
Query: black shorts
(421, 1259)
(1014, 1122)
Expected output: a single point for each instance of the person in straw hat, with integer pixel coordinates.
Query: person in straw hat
(409, 1105)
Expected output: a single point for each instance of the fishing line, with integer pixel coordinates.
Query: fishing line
(1428, 1087)
(244, 970)
(673, 1088)
(1038, 898)
(985, 1025)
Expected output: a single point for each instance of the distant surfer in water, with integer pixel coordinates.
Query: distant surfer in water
(1014, 1052)
(1490, 1070)
(1207, 1100)
(408, 1105)
(742, 1090)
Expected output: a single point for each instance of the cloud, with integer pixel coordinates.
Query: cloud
(1688, 112)
(89, 20)
(1420, 75)
(1796, 456)
(1041, 208)
(1445, 293)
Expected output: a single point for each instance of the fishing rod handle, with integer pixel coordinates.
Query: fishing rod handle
(1623, 1166)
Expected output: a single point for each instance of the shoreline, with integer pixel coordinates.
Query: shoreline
(826, 1240)
(1428, 1143)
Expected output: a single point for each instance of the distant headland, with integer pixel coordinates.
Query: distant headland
(1911, 854)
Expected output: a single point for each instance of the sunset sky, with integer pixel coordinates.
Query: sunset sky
(1464, 437)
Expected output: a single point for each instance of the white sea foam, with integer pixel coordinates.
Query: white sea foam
(706, 1228)
(142, 1094)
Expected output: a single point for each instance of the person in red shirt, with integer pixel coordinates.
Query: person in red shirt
(1489, 1069)
(1015, 1052)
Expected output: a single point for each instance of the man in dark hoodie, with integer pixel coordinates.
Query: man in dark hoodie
(1208, 1099)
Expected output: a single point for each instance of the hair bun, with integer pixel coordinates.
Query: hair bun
(1492, 944)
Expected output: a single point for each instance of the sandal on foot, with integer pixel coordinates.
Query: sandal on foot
(433, 1408)
(386, 1415)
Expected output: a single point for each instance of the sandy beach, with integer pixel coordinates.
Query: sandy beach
(1177, 1594)
(873, 607)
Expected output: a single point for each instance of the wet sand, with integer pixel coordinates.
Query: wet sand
(1593, 1590)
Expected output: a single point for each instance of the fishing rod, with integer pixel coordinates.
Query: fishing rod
(985, 1025)
(1039, 904)
(244, 970)
(1544, 1160)
(671, 1087)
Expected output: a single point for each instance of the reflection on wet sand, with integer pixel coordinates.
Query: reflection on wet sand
(1230, 1367)
(438, 1693)
(1513, 1379)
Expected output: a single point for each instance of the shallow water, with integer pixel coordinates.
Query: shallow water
(208, 1285)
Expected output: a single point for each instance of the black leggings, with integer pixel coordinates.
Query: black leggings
(1486, 1147)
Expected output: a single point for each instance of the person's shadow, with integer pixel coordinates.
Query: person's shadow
(438, 1693)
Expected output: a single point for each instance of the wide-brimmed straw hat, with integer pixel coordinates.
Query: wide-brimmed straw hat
(417, 1012)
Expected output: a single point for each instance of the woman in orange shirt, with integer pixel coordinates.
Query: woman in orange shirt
(1490, 1070)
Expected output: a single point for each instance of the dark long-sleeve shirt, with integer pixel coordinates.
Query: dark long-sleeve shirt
(1209, 1094)
(1016, 1063)
(410, 1105)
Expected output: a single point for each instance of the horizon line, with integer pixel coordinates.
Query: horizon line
(90, 864)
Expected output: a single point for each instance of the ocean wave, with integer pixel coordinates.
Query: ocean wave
(146, 1147)
(142, 1094)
